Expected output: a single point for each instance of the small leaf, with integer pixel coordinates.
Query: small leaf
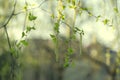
(84, 9)
(31, 17)
(28, 29)
(90, 14)
(56, 27)
(25, 8)
(77, 29)
(82, 32)
(98, 17)
(73, 2)
(64, 6)
(53, 38)
(66, 64)
(25, 43)
(105, 21)
(116, 10)
(72, 6)
(52, 16)
(70, 51)
(23, 34)
(12, 50)
(33, 28)
(63, 17)
(68, 1)
(73, 36)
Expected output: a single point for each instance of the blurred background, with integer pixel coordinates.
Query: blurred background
(37, 60)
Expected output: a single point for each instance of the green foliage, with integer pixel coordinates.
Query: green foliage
(29, 29)
(23, 34)
(66, 64)
(56, 27)
(24, 42)
(116, 10)
(70, 51)
(105, 21)
(68, 59)
(61, 15)
(98, 17)
(71, 4)
(53, 38)
(31, 17)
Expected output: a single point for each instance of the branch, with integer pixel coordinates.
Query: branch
(32, 8)
(25, 18)
(8, 39)
(6, 23)
(12, 14)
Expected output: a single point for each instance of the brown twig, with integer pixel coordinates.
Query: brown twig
(6, 23)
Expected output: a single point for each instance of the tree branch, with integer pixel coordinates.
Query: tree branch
(6, 23)
(32, 8)
(12, 14)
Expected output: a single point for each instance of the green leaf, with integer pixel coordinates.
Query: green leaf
(53, 38)
(116, 10)
(73, 2)
(105, 21)
(84, 9)
(98, 17)
(25, 43)
(66, 64)
(25, 7)
(29, 29)
(64, 6)
(33, 28)
(70, 51)
(90, 14)
(68, 1)
(31, 17)
(63, 17)
(13, 50)
(72, 6)
(23, 34)
(82, 32)
(73, 36)
(77, 30)
(56, 27)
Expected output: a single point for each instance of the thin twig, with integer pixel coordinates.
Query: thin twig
(25, 17)
(5, 25)
(12, 14)
(32, 8)
(81, 44)
(8, 39)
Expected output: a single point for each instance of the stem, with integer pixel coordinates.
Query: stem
(72, 28)
(56, 49)
(8, 39)
(80, 44)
